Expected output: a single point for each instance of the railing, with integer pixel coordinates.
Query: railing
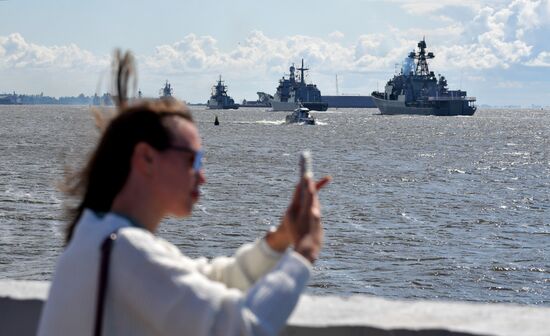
(446, 98)
(22, 301)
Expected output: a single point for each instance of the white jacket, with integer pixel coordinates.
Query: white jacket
(155, 290)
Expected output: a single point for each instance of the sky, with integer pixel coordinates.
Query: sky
(498, 51)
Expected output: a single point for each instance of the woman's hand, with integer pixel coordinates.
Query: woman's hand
(301, 224)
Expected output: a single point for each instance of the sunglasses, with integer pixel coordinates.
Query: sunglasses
(197, 156)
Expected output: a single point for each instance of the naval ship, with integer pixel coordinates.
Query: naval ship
(166, 91)
(262, 101)
(219, 100)
(294, 92)
(416, 90)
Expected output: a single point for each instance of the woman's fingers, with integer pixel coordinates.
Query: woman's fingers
(304, 212)
(322, 182)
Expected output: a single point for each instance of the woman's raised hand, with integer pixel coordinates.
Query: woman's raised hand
(301, 224)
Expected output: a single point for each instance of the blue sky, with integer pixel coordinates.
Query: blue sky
(496, 50)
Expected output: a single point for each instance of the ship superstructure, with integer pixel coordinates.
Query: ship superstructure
(293, 92)
(416, 90)
(219, 98)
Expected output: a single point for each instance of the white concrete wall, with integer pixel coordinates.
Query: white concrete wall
(21, 302)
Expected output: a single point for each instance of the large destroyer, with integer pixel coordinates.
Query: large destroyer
(416, 90)
(294, 92)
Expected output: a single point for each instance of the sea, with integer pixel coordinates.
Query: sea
(420, 207)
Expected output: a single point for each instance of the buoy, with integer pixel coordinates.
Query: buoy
(216, 121)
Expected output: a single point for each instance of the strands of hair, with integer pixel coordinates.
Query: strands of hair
(123, 71)
(123, 74)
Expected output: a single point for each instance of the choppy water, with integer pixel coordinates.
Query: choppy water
(420, 207)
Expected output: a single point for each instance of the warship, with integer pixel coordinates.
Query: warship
(294, 92)
(349, 101)
(262, 101)
(9, 99)
(166, 91)
(219, 100)
(416, 90)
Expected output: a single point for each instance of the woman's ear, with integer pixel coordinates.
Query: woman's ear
(143, 158)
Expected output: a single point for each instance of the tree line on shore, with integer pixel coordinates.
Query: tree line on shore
(41, 99)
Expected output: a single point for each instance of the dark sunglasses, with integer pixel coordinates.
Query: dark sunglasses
(197, 155)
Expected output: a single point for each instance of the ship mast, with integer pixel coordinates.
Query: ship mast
(302, 69)
(422, 59)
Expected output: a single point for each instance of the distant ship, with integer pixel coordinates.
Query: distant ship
(219, 99)
(166, 91)
(293, 93)
(10, 99)
(349, 101)
(262, 101)
(416, 90)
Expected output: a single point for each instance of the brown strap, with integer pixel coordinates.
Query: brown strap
(106, 247)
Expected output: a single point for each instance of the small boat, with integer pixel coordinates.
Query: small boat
(300, 116)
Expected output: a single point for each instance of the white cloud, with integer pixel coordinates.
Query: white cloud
(429, 7)
(542, 60)
(17, 53)
(510, 85)
(489, 38)
(530, 14)
(336, 35)
(257, 53)
(476, 78)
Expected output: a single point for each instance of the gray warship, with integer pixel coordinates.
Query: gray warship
(293, 93)
(219, 100)
(262, 101)
(166, 91)
(416, 90)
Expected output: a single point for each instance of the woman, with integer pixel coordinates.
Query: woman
(148, 166)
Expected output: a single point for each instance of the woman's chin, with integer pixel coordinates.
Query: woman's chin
(183, 211)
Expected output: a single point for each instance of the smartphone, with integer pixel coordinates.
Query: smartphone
(305, 171)
(305, 165)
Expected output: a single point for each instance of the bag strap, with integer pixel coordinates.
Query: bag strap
(106, 248)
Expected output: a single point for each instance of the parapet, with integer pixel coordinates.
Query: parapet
(21, 303)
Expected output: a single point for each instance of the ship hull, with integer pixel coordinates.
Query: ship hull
(213, 104)
(443, 108)
(291, 106)
(343, 101)
(223, 107)
(255, 104)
